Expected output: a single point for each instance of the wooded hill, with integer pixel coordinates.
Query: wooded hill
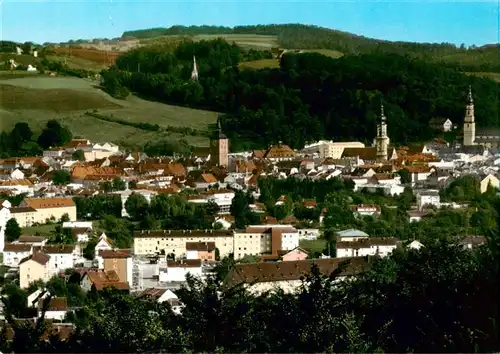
(309, 97)
(296, 36)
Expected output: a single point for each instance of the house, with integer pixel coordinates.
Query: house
(470, 242)
(257, 240)
(489, 180)
(81, 234)
(279, 152)
(441, 124)
(119, 261)
(61, 257)
(11, 174)
(17, 186)
(225, 221)
(373, 246)
(428, 197)
(415, 245)
(33, 267)
(161, 296)
(99, 279)
(31, 240)
(35, 296)
(297, 254)
(104, 244)
(287, 276)
(366, 210)
(14, 253)
(418, 173)
(416, 215)
(351, 235)
(308, 233)
(51, 208)
(56, 308)
(147, 242)
(73, 224)
(204, 251)
(176, 271)
(334, 150)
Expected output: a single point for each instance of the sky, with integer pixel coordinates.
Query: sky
(39, 21)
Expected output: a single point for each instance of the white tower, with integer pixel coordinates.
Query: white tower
(194, 73)
(469, 121)
(382, 140)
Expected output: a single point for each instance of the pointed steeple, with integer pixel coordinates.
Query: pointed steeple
(470, 100)
(194, 73)
(382, 115)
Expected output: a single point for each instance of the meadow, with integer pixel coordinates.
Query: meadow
(37, 99)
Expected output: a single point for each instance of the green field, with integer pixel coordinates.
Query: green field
(493, 76)
(78, 63)
(37, 99)
(40, 230)
(274, 63)
(260, 64)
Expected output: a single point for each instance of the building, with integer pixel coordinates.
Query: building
(489, 181)
(161, 296)
(334, 150)
(14, 253)
(32, 268)
(469, 122)
(204, 251)
(4, 217)
(119, 261)
(288, 276)
(61, 257)
(373, 246)
(428, 197)
(351, 235)
(382, 140)
(176, 271)
(99, 280)
(166, 242)
(258, 240)
(50, 208)
(25, 216)
(441, 124)
(56, 308)
(194, 73)
(280, 152)
(219, 147)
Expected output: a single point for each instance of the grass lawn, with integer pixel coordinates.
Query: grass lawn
(41, 230)
(246, 41)
(328, 52)
(313, 246)
(37, 99)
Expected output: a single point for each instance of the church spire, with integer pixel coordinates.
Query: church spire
(470, 100)
(382, 115)
(382, 140)
(194, 73)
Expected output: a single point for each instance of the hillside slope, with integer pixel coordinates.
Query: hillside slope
(68, 99)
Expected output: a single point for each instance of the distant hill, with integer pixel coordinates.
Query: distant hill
(296, 36)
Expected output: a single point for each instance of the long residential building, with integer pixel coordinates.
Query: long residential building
(253, 241)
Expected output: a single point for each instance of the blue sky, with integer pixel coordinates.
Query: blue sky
(420, 20)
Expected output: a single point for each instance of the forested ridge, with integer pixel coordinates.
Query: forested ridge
(309, 97)
(297, 36)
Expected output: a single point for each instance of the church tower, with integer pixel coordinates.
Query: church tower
(382, 140)
(469, 122)
(194, 73)
(219, 147)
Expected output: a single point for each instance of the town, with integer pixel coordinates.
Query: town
(218, 198)
(258, 188)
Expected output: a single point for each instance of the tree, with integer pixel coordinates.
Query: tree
(65, 217)
(405, 176)
(78, 155)
(119, 184)
(54, 135)
(136, 206)
(15, 300)
(12, 230)
(61, 177)
(239, 209)
(21, 132)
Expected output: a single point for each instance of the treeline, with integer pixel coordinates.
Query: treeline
(297, 36)
(21, 141)
(441, 298)
(60, 67)
(311, 96)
